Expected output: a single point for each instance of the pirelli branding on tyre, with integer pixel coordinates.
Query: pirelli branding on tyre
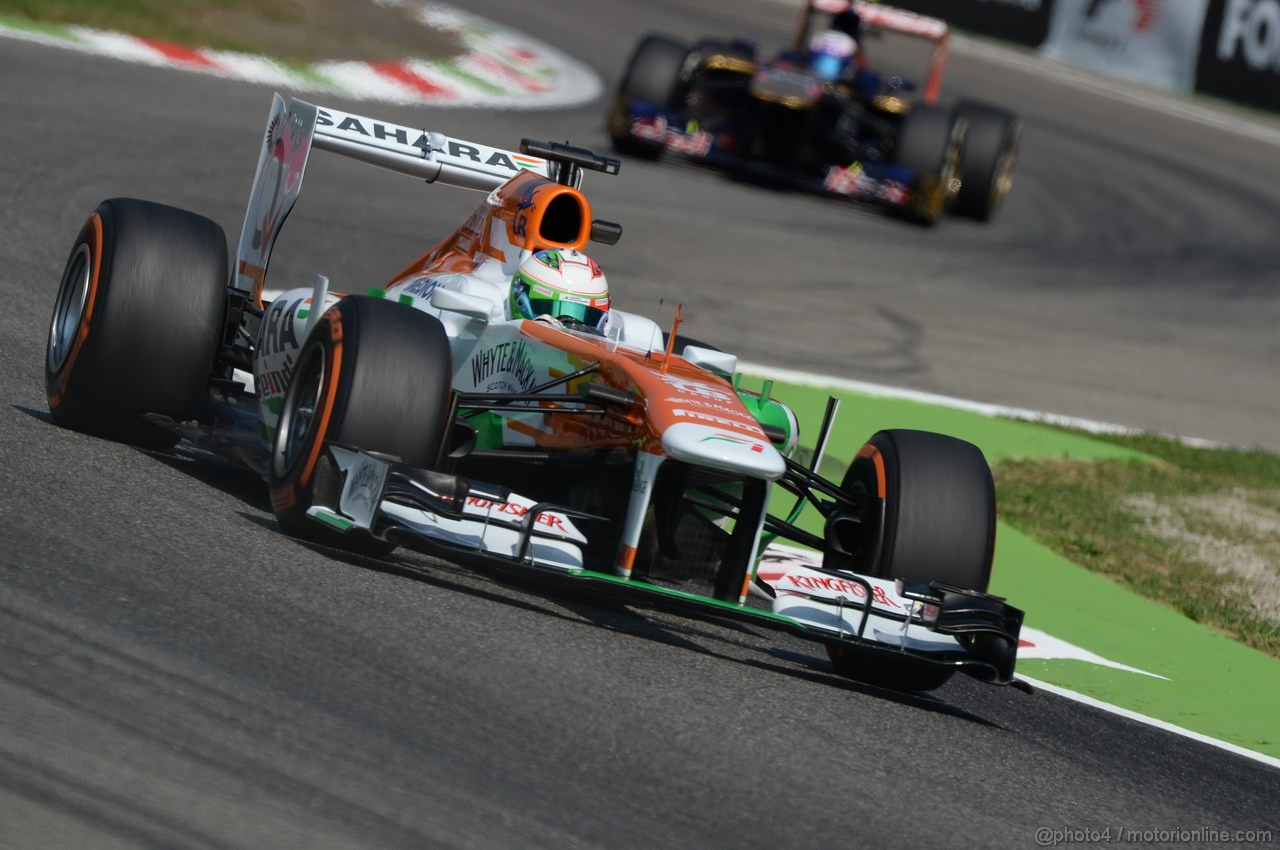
(1240, 52)
(1023, 21)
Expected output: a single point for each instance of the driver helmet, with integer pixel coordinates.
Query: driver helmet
(829, 53)
(563, 284)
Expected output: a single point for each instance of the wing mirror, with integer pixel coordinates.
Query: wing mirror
(710, 359)
(605, 232)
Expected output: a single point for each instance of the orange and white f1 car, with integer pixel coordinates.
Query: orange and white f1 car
(431, 415)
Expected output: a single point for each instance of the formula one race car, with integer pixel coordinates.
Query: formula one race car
(474, 412)
(818, 117)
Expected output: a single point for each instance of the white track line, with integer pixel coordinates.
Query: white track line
(809, 379)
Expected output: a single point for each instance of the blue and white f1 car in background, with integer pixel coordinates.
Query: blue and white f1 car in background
(819, 117)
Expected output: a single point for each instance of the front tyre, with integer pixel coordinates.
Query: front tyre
(930, 516)
(373, 375)
(931, 512)
(653, 76)
(137, 321)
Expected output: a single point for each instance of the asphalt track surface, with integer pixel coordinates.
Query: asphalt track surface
(176, 673)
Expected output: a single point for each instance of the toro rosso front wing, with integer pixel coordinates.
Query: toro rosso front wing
(475, 524)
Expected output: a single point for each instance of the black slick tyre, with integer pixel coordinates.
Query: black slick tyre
(931, 142)
(991, 152)
(374, 375)
(930, 516)
(137, 321)
(653, 75)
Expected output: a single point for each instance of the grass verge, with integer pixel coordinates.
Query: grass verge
(1197, 529)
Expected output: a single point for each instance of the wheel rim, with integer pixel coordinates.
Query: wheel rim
(298, 413)
(942, 192)
(948, 178)
(1003, 181)
(68, 311)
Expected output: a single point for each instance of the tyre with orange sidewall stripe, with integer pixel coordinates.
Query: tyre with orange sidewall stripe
(930, 516)
(373, 375)
(932, 510)
(137, 321)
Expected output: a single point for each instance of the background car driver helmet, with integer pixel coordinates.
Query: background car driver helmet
(829, 53)
(564, 284)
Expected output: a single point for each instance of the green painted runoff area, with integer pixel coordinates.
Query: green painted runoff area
(1212, 684)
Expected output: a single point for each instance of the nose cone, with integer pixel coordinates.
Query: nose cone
(722, 448)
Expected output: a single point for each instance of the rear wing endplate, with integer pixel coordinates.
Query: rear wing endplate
(294, 129)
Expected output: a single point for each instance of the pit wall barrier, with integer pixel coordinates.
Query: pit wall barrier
(1224, 48)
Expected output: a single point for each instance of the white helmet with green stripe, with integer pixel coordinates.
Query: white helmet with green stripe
(563, 284)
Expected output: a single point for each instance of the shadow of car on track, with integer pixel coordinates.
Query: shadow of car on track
(720, 639)
(575, 605)
(223, 475)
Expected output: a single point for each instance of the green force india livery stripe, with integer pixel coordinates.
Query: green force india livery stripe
(497, 67)
(1086, 637)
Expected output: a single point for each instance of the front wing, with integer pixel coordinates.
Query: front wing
(482, 526)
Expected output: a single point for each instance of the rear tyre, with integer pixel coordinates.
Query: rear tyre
(990, 154)
(137, 321)
(931, 142)
(374, 375)
(931, 516)
(654, 75)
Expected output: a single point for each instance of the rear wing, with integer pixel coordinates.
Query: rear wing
(294, 129)
(900, 20)
(892, 19)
